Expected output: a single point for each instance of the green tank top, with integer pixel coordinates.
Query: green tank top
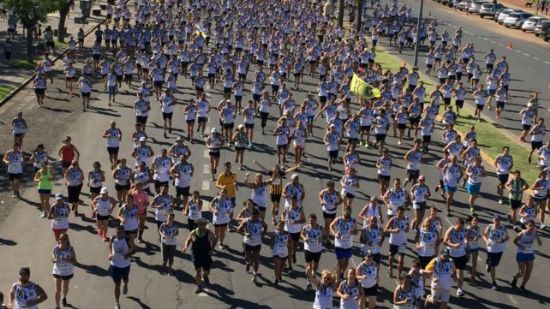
(45, 182)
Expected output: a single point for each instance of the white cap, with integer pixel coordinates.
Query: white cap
(104, 190)
(214, 130)
(293, 176)
(142, 139)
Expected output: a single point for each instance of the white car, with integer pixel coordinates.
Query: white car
(515, 20)
(504, 13)
(475, 7)
(463, 5)
(531, 23)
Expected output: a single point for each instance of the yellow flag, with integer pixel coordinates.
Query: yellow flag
(361, 89)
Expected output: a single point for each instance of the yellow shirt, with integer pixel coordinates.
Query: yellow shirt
(230, 183)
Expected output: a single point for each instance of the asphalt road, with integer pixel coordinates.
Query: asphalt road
(529, 58)
(28, 240)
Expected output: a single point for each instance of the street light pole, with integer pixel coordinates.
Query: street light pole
(359, 15)
(418, 23)
(341, 13)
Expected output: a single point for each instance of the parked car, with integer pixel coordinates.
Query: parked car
(515, 20)
(475, 6)
(463, 5)
(545, 31)
(531, 23)
(538, 27)
(489, 9)
(504, 13)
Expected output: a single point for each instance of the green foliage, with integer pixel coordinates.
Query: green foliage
(31, 12)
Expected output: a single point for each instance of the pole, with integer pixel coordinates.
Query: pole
(359, 16)
(417, 45)
(341, 13)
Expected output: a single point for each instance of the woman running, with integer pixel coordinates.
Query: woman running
(221, 207)
(350, 291)
(59, 214)
(325, 288)
(279, 250)
(473, 235)
(102, 207)
(329, 199)
(455, 239)
(254, 229)
(129, 219)
(525, 254)
(343, 228)
(96, 177)
(259, 192)
(367, 274)
(114, 137)
(240, 139)
(193, 210)
(495, 237)
(312, 235)
(214, 143)
(349, 183)
(14, 159)
(168, 233)
(397, 227)
(122, 175)
(294, 218)
(403, 295)
(74, 179)
(64, 259)
(45, 185)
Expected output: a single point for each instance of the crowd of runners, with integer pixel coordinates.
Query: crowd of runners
(260, 58)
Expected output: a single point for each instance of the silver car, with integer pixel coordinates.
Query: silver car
(504, 13)
(489, 9)
(463, 5)
(515, 20)
(531, 23)
(475, 7)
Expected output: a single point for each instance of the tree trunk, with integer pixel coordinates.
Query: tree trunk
(63, 13)
(359, 16)
(30, 49)
(341, 6)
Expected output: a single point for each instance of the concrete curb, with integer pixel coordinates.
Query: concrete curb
(31, 78)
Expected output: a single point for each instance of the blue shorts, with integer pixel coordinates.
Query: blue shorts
(473, 188)
(525, 257)
(450, 189)
(112, 90)
(342, 253)
(119, 273)
(491, 91)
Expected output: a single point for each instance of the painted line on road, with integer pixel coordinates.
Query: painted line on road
(205, 153)
(493, 42)
(547, 62)
(536, 58)
(205, 169)
(486, 39)
(526, 54)
(205, 185)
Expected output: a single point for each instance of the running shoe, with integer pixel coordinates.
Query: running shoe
(514, 282)
(309, 286)
(459, 293)
(43, 215)
(542, 226)
(206, 280)
(494, 286)
(523, 290)
(124, 289)
(117, 306)
(64, 302)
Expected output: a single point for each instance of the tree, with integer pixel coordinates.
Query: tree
(30, 13)
(63, 6)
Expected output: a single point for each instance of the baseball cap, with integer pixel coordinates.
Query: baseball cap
(59, 196)
(445, 252)
(142, 139)
(294, 176)
(214, 130)
(104, 190)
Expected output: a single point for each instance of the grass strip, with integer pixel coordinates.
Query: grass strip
(5, 90)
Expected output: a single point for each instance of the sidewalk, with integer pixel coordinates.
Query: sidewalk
(18, 70)
(520, 4)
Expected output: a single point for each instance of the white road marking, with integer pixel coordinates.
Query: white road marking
(517, 51)
(205, 185)
(526, 54)
(205, 168)
(536, 58)
(493, 42)
(547, 62)
(486, 39)
(205, 153)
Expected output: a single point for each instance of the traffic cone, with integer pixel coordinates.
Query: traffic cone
(509, 44)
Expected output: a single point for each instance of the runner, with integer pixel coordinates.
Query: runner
(129, 221)
(324, 286)
(201, 241)
(221, 207)
(495, 237)
(18, 129)
(14, 159)
(67, 153)
(121, 248)
(96, 177)
(25, 293)
(343, 228)
(420, 193)
(168, 232)
(473, 235)
(350, 291)
(442, 271)
(294, 218)
(259, 193)
(59, 214)
(241, 141)
(455, 239)
(45, 186)
(525, 255)
(254, 230)
(163, 203)
(64, 259)
(102, 206)
(515, 186)
(122, 175)
(114, 137)
(397, 227)
(403, 295)
(182, 172)
(214, 143)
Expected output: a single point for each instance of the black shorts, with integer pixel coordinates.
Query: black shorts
(215, 154)
(190, 121)
(229, 126)
(514, 204)
(119, 273)
(326, 215)
(294, 236)
(500, 104)
(112, 150)
(503, 178)
(401, 126)
(526, 127)
(73, 193)
(386, 178)
(424, 261)
(183, 191)
(167, 116)
(40, 91)
(122, 187)
(239, 148)
(493, 258)
(372, 291)
(68, 277)
(380, 137)
(95, 190)
(252, 248)
(202, 119)
(479, 107)
(220, 225)
(312, 256)
(103, 218)
(333, 154)
(394, 249)
(275, 198)
(365, 128)
(159, 184)
(414, 121)
(157, 84)
(13, 176)
(249, 125)
(459, 103)
(460, 262)
(131, 232)
(413, 175)
(536, 145)
(426, 138)
(282, 147)
(141, 119)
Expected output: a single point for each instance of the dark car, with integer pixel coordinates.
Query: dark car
(545, 30)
